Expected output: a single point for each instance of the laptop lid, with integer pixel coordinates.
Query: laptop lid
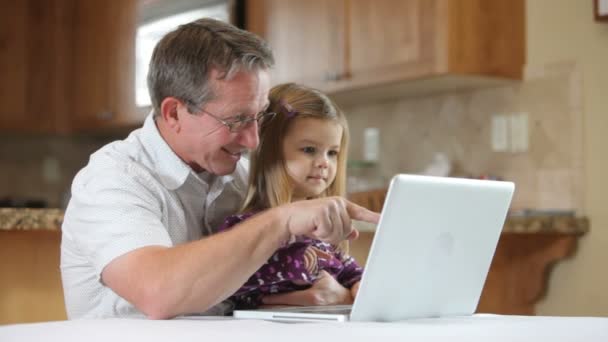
(433, 247)
(430, 255)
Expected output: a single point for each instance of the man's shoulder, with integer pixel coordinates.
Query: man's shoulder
(119, 162)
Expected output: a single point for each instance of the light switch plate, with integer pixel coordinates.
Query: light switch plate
(519, 132)
(51, 170)
(371, 144)
(500, 133)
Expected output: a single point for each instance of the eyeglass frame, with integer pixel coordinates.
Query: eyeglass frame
(240, 123)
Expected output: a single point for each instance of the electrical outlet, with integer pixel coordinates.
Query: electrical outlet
(371, 144)
(51, 170)
(500, 133)
(519, 132)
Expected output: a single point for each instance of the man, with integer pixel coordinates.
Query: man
(138, 231)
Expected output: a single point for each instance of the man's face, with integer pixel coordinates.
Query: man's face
(205, 143)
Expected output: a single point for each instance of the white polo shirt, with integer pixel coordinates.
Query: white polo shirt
(134, 193)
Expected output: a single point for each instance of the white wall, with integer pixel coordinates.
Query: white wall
(565, 30)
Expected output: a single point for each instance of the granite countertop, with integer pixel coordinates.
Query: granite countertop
(30, 219)
(51, 219)
(541, 224)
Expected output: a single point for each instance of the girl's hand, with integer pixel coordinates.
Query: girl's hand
(325, 291)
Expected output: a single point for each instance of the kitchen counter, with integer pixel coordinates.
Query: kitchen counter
(543, 224)
(517, 279)
(51, 219)
(30, 219)
(30, 280)
(546, 224)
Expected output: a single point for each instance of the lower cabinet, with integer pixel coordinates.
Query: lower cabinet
(519, 273)
(30, 279)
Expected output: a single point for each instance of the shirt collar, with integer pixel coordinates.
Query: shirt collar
(172, 171)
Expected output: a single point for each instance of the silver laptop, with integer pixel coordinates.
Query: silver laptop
(430, 255)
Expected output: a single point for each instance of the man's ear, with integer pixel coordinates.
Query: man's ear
(169, 112)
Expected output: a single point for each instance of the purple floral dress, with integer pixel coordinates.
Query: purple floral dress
(293, 267)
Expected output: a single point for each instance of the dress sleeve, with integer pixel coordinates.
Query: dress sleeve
(229, 222)
(233, 220)
(285, 265)
(351, 273)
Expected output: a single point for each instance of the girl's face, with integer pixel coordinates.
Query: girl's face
(310, 151)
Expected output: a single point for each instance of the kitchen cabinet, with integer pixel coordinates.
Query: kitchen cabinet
(306, 37)
(30, 280)
(30, 277)
(67, 65)
(34, 64)
(103, 86)
(392, 47)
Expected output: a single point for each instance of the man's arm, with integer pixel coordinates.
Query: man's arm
(164, 282)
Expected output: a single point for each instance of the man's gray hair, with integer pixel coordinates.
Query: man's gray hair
(183, 59)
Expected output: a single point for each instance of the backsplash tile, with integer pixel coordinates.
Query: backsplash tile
(21, 165)
(549, 175)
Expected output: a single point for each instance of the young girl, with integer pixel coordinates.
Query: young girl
(301, 155)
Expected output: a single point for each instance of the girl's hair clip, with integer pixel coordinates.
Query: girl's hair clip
(288, 109)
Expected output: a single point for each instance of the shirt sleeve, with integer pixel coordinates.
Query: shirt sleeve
(114, 210)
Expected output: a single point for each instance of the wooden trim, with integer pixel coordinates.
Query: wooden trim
(255, 18)
(345, 73)
(520, 271)
(596, 11)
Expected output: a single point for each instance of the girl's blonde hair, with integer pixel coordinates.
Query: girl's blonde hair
(269, 183)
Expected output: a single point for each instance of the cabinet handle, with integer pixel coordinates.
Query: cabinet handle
(105, 115)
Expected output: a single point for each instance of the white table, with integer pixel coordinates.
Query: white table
(475, 328)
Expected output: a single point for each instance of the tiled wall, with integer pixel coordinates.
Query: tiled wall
(412, 130)
(23, 161)
(548, 176)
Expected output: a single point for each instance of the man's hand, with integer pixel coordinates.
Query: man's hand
(325, 291)
(327, 219)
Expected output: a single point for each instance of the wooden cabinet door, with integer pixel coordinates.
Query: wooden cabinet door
(34, 64)
(104, 65)
(392, 38)
(13, 66)
(307, 38)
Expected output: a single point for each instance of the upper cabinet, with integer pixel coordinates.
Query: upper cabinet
(103, 87)
(67, 65)
(307, 37)
(34, 64)
(385, 48)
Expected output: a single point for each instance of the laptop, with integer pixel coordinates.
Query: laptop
(430, 256)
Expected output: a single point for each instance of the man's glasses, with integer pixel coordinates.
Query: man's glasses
(238, 123)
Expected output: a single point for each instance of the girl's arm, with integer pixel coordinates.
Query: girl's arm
(352, 272)
(287, 263)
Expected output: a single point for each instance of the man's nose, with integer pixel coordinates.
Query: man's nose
(249, 137)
